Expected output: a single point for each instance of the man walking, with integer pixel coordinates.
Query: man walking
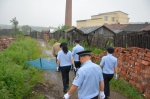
(55, 49)
(109, 65)
(76, 49)
(88, 80)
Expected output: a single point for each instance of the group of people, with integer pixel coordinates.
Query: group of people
(91, 80)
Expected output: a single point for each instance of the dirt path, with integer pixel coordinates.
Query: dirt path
(54, 78)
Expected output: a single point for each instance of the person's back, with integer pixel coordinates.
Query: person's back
(92, 74)
(88, 80)
(65, 58)
(76, 49)
(109, 65)
(56, 48)
(109, 62)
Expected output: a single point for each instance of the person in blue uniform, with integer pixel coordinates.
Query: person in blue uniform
(89, 79)
(64, 61)
(109, 66)
(75, 50)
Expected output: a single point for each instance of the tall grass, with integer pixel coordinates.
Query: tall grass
(95, 50)
(16, 78)
(125, 88)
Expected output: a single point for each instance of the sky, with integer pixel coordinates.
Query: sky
(52, 12)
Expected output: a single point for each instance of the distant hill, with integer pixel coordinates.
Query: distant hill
(37, 28)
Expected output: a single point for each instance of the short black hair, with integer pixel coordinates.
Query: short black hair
(110, 49)
(77, 41)
(63, 44)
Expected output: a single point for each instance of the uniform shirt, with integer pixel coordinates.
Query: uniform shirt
(56, 48)
(108, 62)
(65, 59)
(87, 79)
(76, 49)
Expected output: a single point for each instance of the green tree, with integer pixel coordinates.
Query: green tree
(26, 29)
(62, 28)
(15, 25)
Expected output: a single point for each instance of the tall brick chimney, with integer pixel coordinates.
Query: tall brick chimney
(68, 14)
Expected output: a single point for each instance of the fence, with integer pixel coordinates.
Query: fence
(92, 39)
(128, 39)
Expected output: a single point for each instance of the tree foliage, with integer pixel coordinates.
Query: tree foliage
(62, 28)
(25, 29)
(14, 23)
(15, 28)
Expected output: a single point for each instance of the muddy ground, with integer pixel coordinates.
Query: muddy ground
(53, 88)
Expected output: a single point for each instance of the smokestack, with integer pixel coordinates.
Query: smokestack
(68, 14)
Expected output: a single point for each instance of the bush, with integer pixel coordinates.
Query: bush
(125, 88)
(52, 41)
(16, 78)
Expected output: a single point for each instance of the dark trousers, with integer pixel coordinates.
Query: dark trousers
(96, 97)
(65, 75)
(107, 78)
(77, 65)
(56, 59)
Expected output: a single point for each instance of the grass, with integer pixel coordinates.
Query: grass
(125, 88)
(16, 77)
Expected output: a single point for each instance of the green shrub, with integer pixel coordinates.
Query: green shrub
(62, 40)
(52, 41)
(95, 50)
(16, 80)
(125, 88)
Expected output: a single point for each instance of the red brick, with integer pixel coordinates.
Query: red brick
(145, 62)
(137, 68)
(148, 86)
(132, 82)
(142, 66)
(134, 54)
(147, 95)
(139, 60)
(139, 87)
(135, 75)
(123, 72)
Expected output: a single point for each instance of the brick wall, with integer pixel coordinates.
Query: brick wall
(133, 66)
(5, 41)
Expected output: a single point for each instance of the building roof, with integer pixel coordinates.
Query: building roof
(88, 30)
(109, 13)
(128, 27)
(73, 29)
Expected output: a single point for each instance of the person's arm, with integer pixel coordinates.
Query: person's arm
(73, 52)
(101, 84)
(72, 61)
(70, 92)
(116, 69)
(72, 89)
(101, 93)
(102, 63)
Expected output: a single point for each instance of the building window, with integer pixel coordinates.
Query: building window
(112, 19)
(106, 18)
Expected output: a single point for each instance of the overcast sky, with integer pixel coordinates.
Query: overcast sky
(52, 12)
